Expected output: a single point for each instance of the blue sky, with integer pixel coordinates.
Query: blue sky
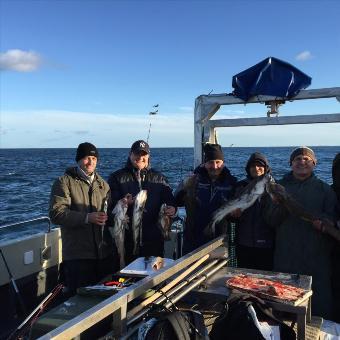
(74, 71)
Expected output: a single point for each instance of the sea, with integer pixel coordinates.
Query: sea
(26, 175)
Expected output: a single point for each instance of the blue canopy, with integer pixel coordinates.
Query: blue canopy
(271, 77)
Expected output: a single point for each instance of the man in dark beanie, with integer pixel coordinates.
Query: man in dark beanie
(300, 246)
(304, 151)
(78, 203)
(202, 193)
(125, 184)
(86, 149)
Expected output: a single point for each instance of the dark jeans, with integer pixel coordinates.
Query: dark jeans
(80, 273)
(254, 258)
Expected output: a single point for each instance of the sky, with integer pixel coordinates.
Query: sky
(75, 71)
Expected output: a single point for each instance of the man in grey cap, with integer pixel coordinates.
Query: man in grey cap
(126, 183)
(299, 247)
(78, 203)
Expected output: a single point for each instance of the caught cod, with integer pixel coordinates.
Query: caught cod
(164, 222)
(102, 242)
(279, 193)
(138, 210)
(118, 230)
(246, 198)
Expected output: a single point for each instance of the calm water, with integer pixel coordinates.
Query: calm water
(26, 175)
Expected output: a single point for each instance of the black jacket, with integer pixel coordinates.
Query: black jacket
(251, 228)
(125, 181)
(200, 201)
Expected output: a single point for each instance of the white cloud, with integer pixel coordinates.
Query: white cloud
(20, 61)
(305, 55)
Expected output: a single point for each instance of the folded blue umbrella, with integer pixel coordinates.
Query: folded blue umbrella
(271, 77)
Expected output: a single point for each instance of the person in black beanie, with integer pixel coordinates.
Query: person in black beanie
(254, 237)
(201, 194)
(78, 203)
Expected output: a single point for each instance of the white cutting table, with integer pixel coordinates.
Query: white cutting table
(300, 308)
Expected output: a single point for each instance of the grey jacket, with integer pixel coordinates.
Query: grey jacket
(299, 247)
(72, 198)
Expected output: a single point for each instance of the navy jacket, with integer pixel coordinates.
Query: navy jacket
(125, 181)
(201, 201)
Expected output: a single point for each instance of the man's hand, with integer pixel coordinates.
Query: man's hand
(318, 225)
(97, 217)
(170, 211)
(127, 200)
(236, 213)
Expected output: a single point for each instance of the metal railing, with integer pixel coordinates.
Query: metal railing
(23, 223)
(117, 304)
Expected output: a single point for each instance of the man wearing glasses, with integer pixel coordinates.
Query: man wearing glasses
(301, 248)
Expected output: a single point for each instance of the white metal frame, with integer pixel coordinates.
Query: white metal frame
(207, 105)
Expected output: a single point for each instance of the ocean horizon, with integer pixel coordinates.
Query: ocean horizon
(26, 177)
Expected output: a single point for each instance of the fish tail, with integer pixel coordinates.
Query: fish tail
(167, 235)
(122, 260)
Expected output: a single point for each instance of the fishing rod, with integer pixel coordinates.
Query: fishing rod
(188, 284)
(153, 112)
(22, 305)
(147, 139)
(21, 329)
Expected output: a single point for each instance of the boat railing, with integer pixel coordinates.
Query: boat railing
(33, 220)
(116, 305)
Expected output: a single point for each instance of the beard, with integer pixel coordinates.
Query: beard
(214, 173)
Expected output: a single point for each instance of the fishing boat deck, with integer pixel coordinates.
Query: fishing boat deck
(209, 298)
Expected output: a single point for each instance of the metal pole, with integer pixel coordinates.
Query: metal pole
(173, 291)
(22, 305)
(196, 283)
(181, 294)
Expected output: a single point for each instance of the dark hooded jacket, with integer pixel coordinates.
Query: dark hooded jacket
(126, 181)
(251, 228)
(72, 198)
(201, 197)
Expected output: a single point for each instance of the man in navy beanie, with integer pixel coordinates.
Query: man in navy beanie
(78, 203)
(202, 193)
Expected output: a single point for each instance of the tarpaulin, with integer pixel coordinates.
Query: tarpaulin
(271, 77)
